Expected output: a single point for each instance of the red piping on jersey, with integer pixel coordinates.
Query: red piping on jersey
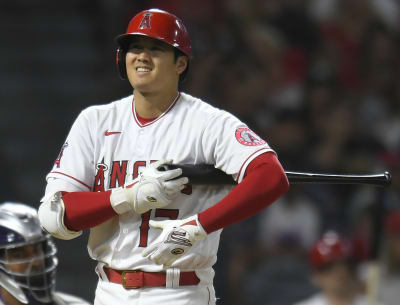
(60, 173)
(155, 120)
(241, 168)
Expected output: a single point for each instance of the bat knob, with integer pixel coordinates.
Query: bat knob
(388, 178)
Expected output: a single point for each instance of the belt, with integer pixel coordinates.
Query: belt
(135, 279)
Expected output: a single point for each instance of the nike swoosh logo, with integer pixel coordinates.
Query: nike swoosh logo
(109, 133)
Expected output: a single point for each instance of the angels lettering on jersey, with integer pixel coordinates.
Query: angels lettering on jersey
(119, 174)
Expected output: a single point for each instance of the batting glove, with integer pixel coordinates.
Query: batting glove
(152, 189)
(176, 239)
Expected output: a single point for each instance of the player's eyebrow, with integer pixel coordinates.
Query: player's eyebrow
(160, 43)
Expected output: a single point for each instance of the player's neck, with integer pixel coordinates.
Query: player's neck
(152, 105)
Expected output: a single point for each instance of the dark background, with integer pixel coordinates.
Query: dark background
(319, 80)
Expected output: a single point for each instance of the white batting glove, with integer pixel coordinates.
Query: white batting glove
(176, 239)
(152, 189)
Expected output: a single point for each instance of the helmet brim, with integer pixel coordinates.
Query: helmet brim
(123, 41)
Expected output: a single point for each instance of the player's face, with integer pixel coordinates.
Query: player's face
(22, 258)
(337, 279)
(151, 65)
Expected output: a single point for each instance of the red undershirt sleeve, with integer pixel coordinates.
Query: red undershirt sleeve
(265, 181)
(84, 210)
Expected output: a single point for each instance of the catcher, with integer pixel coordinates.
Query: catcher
(28, 260)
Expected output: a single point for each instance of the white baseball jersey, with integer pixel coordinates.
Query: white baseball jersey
(107, 147)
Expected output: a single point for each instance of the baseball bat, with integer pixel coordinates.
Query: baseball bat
(204, 174)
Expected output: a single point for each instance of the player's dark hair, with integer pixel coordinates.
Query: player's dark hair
(350, 263)
(177, 54)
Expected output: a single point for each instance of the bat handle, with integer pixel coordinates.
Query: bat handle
(167, 167)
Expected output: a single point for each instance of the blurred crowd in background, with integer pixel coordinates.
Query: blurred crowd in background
(317, 79)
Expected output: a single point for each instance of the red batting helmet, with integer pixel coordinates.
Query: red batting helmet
(157, 24)
(329, 249)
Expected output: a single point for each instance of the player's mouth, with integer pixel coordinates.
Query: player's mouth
(143, 69)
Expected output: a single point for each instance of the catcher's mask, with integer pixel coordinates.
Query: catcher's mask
(27, 255)
(157, 24)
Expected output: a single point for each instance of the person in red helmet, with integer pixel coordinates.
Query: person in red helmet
(334, 272)
(388, 283)
(155, 236)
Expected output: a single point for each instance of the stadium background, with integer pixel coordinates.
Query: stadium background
(318, 79)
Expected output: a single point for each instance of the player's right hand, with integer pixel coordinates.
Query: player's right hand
(177, 238)
(152, 189)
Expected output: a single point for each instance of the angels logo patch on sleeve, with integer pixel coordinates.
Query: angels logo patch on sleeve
(248, 137)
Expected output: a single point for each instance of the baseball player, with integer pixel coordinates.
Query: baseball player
(27, 260)
(154, 235)
(334, 272)
(387, 280)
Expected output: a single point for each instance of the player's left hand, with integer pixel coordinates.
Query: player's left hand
(176, 239)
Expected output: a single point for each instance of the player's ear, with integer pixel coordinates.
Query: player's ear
(181, 64)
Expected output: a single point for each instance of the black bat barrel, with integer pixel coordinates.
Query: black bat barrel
(201, 174)
(205, 174)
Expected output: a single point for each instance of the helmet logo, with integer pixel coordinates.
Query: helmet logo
(146, 21)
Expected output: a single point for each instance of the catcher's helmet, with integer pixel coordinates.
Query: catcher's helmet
(330, 249)
(27, 255)
(157, 24)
